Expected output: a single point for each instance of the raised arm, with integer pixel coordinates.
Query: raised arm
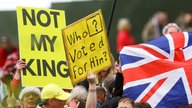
(15, 83)
(91, 98)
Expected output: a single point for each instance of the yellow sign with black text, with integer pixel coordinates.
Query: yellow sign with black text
(41, 47)
(87, 47)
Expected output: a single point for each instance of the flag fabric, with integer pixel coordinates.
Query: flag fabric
(160, 71)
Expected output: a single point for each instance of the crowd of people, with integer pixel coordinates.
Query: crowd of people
(101, 90)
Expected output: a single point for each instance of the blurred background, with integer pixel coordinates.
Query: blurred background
(138, 11)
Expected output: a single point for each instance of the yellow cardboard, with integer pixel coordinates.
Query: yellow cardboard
(87, 47)
(41, 47)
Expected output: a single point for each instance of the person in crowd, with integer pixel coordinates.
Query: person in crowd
(126, 103)
(154, 26)
(30, 97)
(170, 28)
(124, 37)
(115, 89)
(75, 99)
(79, 96)
(184, 20)
(109, 85)
(108, 72)
(101, 96)
(105, 74)
(16, 82)
(111, 103)
(112, 100)
(53, 96)
(9, 66)
(142, 105)
(7, 73)
(6, 49)
(119, 79)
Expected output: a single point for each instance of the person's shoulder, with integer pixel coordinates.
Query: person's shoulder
(98, 105)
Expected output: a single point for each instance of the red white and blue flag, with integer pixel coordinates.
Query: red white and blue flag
(160, 71)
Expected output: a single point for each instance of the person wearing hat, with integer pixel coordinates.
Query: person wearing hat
(53, 96)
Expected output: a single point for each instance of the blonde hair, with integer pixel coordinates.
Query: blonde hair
(111, 71)
(122, 23)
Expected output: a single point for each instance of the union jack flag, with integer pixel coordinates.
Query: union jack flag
(160, 71)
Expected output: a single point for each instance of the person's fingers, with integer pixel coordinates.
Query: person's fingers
(19, 61)
(21, 65)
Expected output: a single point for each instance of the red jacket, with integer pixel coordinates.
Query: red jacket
(124, 38)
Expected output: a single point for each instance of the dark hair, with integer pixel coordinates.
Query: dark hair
(100, 90)
(111, 86)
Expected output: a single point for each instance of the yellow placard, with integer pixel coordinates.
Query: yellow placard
(41, 47)
(87, 47)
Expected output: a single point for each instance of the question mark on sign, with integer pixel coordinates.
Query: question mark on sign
(95, 24)
(105, 53)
